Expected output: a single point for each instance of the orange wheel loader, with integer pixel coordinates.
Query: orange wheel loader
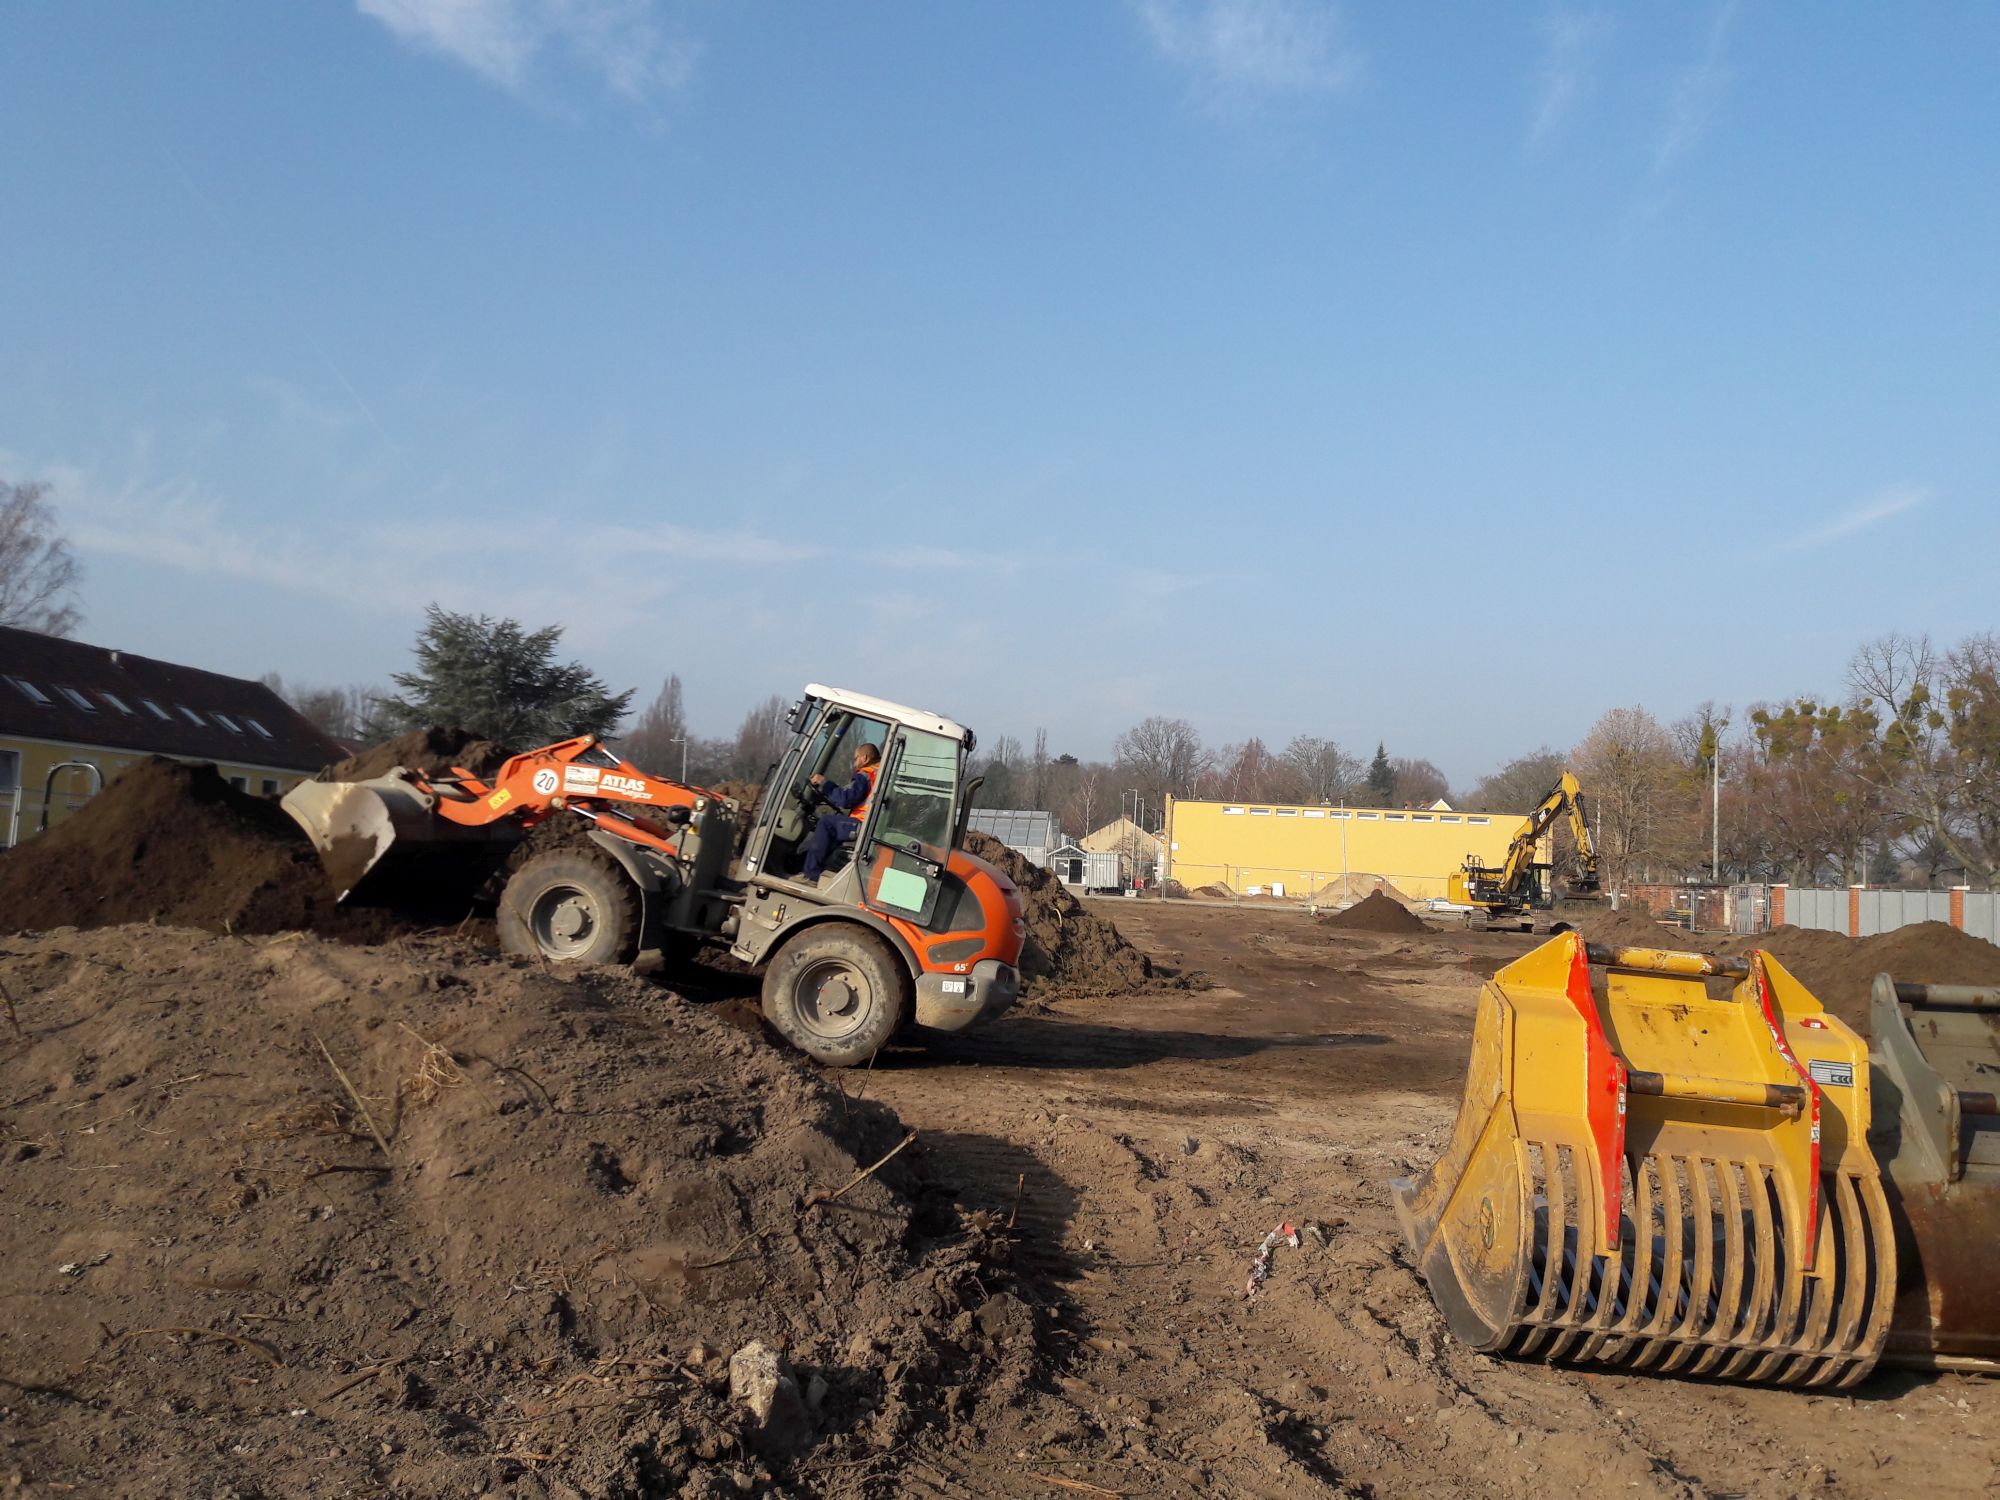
(904, 927)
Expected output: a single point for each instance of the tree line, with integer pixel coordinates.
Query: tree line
(1895, 779)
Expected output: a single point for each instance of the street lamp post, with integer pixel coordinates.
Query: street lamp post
(682, 742)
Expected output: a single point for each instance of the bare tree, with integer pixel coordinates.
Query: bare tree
(1418, 782)
(760, 740)
(1520, 784)
(38, 573)
(344, 713)
(1160, 756)
(1038, 773)
(1086, 788)
(1628, 767)
(1318, 770)
(657, 741)
(1917, 761)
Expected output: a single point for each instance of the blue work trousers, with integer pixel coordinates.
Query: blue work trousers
(828, 834)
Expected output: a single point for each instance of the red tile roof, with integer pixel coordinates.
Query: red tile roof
(53, 689)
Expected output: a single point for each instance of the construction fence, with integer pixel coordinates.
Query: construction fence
(1859, 911)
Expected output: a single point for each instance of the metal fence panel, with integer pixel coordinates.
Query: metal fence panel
(1885, 911)
(1825, 910)
(1982, 914)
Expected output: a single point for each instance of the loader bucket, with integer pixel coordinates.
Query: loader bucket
(354, 824)
(1936, 1056)
(1646, 1174)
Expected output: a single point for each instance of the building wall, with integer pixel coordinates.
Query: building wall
(1244, 844)
(35, 758)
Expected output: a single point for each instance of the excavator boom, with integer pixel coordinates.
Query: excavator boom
(1514, 887)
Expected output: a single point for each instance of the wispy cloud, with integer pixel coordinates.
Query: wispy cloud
(1238, 49)
(1859, 517)
(628, 45)
(1696, 96)
(1571, 44)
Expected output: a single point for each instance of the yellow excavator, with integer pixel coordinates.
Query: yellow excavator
(1522, 891)
(1686, 1164)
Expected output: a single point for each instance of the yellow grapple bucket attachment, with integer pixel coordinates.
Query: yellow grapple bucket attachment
(1645, 1174)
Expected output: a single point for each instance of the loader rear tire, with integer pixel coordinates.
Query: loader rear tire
(570, 907)
(836, 993)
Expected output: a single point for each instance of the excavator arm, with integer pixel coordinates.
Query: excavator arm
(1512, 883)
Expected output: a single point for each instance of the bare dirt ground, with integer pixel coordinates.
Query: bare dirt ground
(217, 1278)
(1161, 1136)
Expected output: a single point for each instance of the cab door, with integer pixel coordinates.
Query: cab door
(904, 848)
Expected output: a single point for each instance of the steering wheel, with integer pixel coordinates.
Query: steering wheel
(809, 794)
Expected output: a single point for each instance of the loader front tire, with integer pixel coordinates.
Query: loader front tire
(836, 993)
(570, 907)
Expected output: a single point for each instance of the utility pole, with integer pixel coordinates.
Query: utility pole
(682, 742)
(1715, 827)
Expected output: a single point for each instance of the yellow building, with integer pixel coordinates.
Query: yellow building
(1246, 845)
(72, 716)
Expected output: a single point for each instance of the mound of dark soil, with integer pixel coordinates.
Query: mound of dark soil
(514, 1257)
(1840, 970)
(174, 843)
(1070, 948)
(1628, 927)
(1376, 913)
(434, 750)
(1216, 890)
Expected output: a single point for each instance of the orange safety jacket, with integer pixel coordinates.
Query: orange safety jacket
(860, 809)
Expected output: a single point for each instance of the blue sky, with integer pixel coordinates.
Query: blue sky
(1437, 375)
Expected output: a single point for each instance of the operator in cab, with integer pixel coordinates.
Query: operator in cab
(848, 806)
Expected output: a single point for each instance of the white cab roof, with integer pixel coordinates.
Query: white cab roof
(895, 713)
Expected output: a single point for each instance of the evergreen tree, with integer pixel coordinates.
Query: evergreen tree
(500, 681)
(1381, 776)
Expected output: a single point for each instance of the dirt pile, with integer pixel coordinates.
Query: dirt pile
(1215, 890)
(434, 751)
(1628, 927)
(1376, 913)
(174, 843)
(1840, 970)
(1070, 948)
(518, 1242)
(1349, 889)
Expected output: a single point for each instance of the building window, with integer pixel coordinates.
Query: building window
(1288, 812)
(270, 786)
(191, 716)
(1397, 817)
(1420, 817)
(225, 721)
(10, 770)
(1370, 817)
(1479, 820)
(241, 783)
(1228, 812)
(1314, 812)
(157, 711)
(77, 698)
(256, 728)
(114, 700)
(28, 690)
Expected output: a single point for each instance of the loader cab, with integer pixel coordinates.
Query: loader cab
(896, 863)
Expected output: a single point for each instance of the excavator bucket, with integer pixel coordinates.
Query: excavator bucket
(1649, 1174)
(355, 824)
(1936, 1056)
